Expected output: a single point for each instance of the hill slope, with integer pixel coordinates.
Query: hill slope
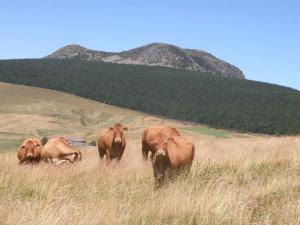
(29, 111)
(155, 54)
(178, 94)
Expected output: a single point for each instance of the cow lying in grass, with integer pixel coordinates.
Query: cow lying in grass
(58, 151)
(30, 151)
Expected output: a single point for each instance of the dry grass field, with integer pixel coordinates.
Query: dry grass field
(235, 178)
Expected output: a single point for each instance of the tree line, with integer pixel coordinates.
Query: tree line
(219, 102)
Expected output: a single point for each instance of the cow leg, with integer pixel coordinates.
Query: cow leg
(70, 158)
(107, 156)
(151, 155)
(101, 155)
(159, 178)
(79, 155)
(145, 151)
(62, 161)
(119, 157)
(58, 161)
(101, 151)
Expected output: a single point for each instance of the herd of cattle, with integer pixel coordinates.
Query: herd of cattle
(167, 149)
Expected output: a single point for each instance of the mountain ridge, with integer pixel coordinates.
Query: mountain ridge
(155, 54)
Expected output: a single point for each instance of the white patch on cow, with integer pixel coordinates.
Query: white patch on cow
(59, 161)
(161, 152)
(118, 140)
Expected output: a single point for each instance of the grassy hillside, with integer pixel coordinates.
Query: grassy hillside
(242, 105)
(27, 111)
(235, 178)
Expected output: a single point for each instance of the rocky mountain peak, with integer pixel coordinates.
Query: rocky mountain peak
(155, 54)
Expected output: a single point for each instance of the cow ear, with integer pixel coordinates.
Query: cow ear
(44, 140)
(111, 128)
(125, 128)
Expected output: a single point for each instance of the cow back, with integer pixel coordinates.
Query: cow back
(150, 132)
(180, 151)
(58, 147)
(106, 138)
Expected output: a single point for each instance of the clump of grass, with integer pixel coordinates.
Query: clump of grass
(209, 172)
(29, 193)
(82, 121)
(267, 169)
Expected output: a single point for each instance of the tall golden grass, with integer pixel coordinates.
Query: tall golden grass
(233, 181)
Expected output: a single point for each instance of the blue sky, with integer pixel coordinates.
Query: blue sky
(261, 37)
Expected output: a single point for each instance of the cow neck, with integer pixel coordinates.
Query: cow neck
(116, 145)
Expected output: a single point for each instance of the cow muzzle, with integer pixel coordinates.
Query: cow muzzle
(29, 156)
(160, 153)
(118, 140)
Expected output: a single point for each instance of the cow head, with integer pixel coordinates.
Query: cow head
(29, 148)
(161, 161)
(118, 132)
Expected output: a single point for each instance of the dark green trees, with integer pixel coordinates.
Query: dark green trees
(229, 103)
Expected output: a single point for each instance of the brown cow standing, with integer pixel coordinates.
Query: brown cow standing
(112, 143)
(171, 156)
(30, 151)
(58, 150)
(148, 135)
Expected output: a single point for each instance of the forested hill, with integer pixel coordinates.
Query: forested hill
(219, 102)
